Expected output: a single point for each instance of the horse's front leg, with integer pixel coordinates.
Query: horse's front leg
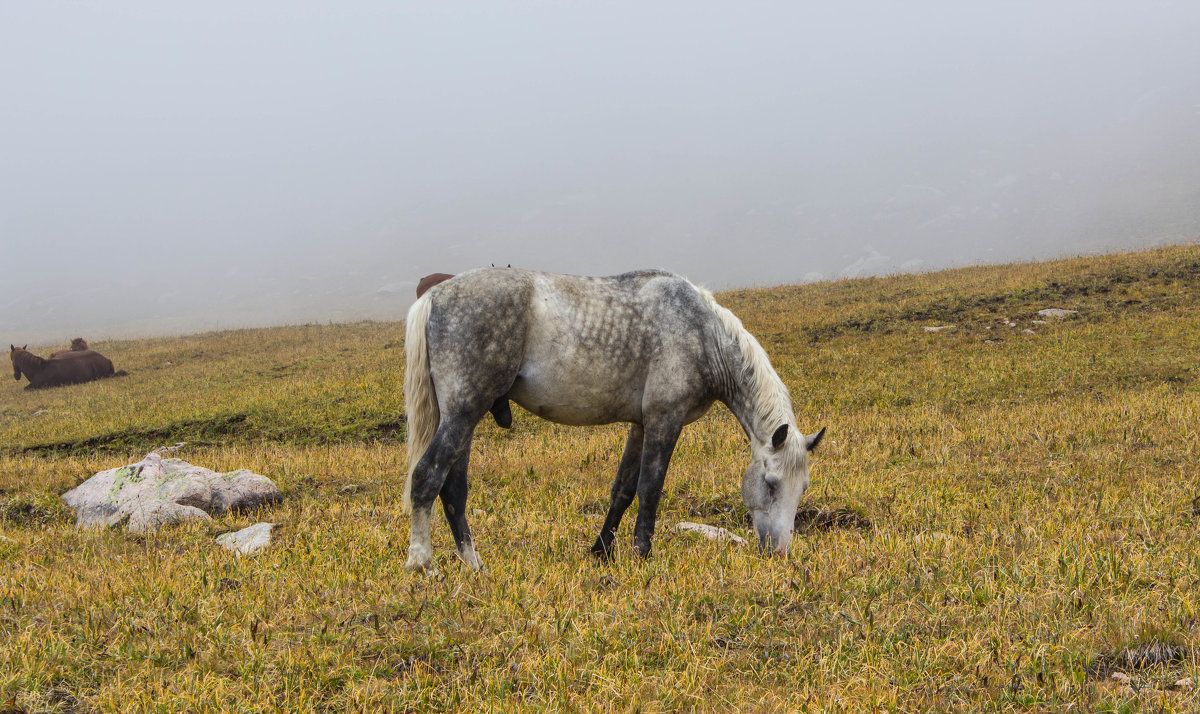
(623, 490)
(451, 443)
(658, 445)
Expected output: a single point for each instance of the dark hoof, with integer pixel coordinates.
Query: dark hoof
(502, 413)
(604, 552)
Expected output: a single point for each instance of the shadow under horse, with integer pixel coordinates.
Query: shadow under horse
(70, 367)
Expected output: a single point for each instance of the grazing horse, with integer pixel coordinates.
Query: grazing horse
(500, 410)
(77, 345)
(648, 348)
(71, 367)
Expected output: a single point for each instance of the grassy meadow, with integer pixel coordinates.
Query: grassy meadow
(997, 521)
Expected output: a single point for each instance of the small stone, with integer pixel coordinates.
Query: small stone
(939, 328)
(710, 532)
(1057, 312)
(1120, 678)
(932, 535)
(1040, 322)
(248, 541)
(1185, 683)
(349, 489)
(1028, 331)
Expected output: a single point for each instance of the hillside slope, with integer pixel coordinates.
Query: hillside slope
(1001, 516)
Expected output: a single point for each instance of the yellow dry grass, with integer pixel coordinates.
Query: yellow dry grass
(1029, 499)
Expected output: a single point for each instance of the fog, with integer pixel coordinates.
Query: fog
(167, 169)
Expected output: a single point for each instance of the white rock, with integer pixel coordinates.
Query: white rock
(710, 532)
(157, 491)
(247, 541)
(932, 536)
(1120, 677)
(1056, 312)
(1028, 331)
(939, 328)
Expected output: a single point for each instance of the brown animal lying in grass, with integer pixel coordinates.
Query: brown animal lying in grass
(77, 345)
(70, 367)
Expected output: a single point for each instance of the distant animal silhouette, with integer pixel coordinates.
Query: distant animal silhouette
(500, 410)
(430, 280)
(70, 367)
(77, 345)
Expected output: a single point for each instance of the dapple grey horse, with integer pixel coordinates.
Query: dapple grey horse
(648, 348)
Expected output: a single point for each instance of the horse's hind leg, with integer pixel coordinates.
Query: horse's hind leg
(623, 490)
(454, 505)
(451, 444)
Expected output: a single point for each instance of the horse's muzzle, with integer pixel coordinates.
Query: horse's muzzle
(774, 545)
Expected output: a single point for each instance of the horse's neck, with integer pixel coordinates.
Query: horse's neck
(755, 393)
(29, 362)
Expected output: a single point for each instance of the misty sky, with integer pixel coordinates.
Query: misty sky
(168, 168)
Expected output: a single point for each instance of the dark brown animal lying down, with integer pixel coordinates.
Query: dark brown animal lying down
(77, 345)
(500, 410)
(70, 367)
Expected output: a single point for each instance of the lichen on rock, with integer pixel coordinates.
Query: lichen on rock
(157, 491)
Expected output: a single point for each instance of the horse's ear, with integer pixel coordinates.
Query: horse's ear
(778, 437)
(810, 442)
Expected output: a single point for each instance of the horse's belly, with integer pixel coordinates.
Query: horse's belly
(577, 402)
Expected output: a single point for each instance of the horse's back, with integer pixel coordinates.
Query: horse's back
(80, 366)
(572, 349)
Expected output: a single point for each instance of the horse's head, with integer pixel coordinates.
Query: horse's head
(12, 354)
(773, 484)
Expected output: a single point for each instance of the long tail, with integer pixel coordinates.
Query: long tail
(420, 400)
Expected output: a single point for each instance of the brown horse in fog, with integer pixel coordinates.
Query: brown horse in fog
(77, 345)
(430, 280)
(71, 367)
(500, 410)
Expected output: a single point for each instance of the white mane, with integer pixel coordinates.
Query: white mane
(769, 395)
